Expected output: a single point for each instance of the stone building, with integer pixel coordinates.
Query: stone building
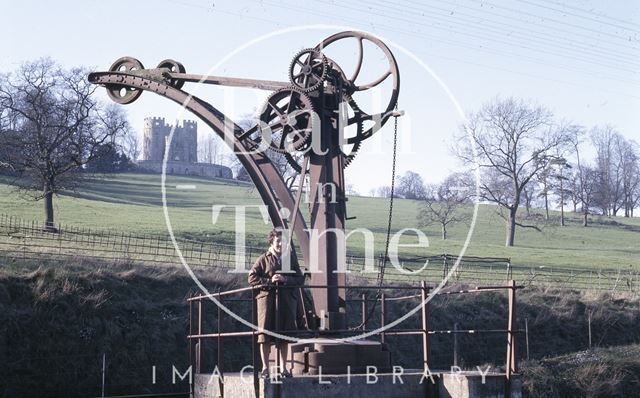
(184, 143)
(183, 152)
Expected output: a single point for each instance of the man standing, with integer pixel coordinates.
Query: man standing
(267, 271)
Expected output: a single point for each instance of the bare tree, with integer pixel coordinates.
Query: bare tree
(351, 190)
(586, 180)
(279, 160)
(411, 186)
(53, 126)
(384, 191)
(543, 178)
(573, 182)
(512, 142)
(609, 194)
(209, 149)
(560, 170)
(634, 196)
(442, 204)
(629, 155)
(130, 145)
(529, 194)
(589, 177)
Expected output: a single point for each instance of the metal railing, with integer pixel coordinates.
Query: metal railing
(197, 336)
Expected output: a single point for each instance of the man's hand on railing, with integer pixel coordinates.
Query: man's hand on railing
(277, 278)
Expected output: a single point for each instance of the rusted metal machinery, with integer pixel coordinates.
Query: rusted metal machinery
(304, 119)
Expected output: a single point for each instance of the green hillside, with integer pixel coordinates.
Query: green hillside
(133, 203)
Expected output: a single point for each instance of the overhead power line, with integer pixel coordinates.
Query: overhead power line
(439, 39)
(493, 39)
(546, 37)
(598, 20)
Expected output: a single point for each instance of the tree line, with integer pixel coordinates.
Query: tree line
(516, 155)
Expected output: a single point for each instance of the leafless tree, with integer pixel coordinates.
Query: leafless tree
(573, 183)
(588, 192)
(54, 126)
(629, 155)
(544, 179)
(411, 186)
(586, 179)
(130, 145)
(529, 194)
(560, 169)
(351, 190)
(279, 160)
(510, 141)
(209, 149)
(443, 203)
(634, 196)
(384, 191)
(609, 195)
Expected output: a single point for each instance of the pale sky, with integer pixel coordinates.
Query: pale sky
(580, 58)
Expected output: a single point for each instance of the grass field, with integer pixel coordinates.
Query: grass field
(133, 203)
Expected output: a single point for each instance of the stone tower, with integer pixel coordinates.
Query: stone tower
(184, 143)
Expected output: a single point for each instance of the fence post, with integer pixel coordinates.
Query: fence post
(364, 311)
(383, 304)
(589, 325)
(444, 266)
(510, 365)
(455, 344)
(526, 335)
(254, 344)
(425, 326)
(220, 352)
(191, 348)
(104, 370)
(199, 348)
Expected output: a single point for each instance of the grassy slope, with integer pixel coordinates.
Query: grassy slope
(603, 372)
(132, 202)
(57, 318)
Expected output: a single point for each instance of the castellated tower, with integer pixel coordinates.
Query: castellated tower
(184, 143)
(183, 153)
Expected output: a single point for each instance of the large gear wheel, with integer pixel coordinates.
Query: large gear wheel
(308, 70)
(295, 159)
(355, 140)
(353, 87)
(123, 94)
(287, 120)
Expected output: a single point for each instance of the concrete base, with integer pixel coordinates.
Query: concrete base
(410, 384)
(316, 356)
(470, 385)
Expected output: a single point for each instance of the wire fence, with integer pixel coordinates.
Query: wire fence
(20, 238)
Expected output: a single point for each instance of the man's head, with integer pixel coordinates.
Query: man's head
(275, 241)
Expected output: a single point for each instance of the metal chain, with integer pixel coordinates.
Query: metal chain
(386, 248)
(393, 185)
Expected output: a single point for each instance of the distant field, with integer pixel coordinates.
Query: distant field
(133, 203)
